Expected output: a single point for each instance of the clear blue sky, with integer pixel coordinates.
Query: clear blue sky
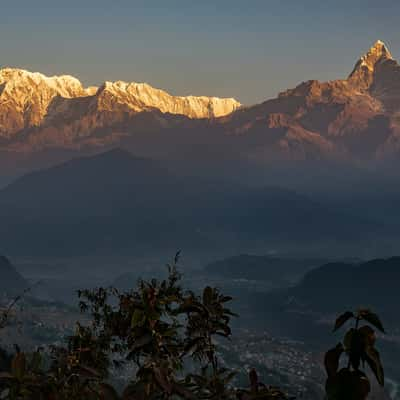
(250, 49)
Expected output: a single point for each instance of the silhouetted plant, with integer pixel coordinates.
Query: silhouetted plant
(259, 390)
(351, 382)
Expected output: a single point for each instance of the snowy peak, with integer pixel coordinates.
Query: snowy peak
(25, 98)
(64, 85)
(30, 99)
(143, 97)
(357, 117)
(381, 48)
(362, 75)
(378, 74)
(377, 52)
(137, 96)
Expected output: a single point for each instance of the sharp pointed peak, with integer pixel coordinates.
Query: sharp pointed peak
(376, 53)
(380, 49)
(365, 66)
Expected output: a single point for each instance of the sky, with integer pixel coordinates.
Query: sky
(250, 50)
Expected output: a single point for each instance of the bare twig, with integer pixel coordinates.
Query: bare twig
(4, 317)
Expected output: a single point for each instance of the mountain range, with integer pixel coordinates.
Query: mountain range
(353, 121)
(38, 111)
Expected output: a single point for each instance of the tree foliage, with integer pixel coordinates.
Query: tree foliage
(171, 335)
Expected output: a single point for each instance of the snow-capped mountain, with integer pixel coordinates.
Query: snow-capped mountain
(37, 111)
(25, 98)
(356, 119)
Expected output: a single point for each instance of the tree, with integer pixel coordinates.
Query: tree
(170, 334)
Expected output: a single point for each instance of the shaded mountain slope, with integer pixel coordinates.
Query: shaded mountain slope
(370, 284)
(115, 200)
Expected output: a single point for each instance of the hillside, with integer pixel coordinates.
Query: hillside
(114, 201)
(372, 284)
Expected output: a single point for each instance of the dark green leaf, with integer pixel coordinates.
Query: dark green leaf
(142, 341)
(374, 361)
(368, 335)
(89, 371)
(207, 295)
(342, 319)
(229, 377)
(162, 379)
(18, 365)
(347, 385)
(225, 299)
(192, 344)
(332, 358)
(372, 318)
(138, 318)
(108, 392)
(183, 392)
(354, 345)
(348, 339)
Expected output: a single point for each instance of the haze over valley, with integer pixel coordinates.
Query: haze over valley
(289, 207)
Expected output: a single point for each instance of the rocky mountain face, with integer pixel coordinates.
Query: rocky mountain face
(355, 120)
(38, 111)
(25, 98)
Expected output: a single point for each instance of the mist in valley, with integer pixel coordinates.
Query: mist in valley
(155, 246)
